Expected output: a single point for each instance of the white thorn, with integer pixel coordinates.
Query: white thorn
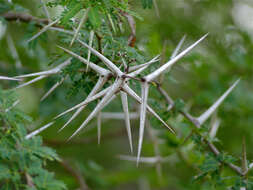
(163, 68)
(83, 20)
(201, 119)
(52, 89)
(89, 52)
(127, 118)
(98, 69)
(31, 81)
(128, 90)
(143, 67)
(9, 78)
(39, 130)
(12, 106)
(61, 30)
(175, 52)
(148, 160)
(111, 22)
(99, 127)
(124, 63)
(119, 116)
(100, 105)
(106, 61)
(86, 101)
(144, 99)
(44, 29)
(96, 88)
(156, 8)
(155, 59)
(215, 123)
(52, 71)
(104, 48)
(13, 51)
(80, 109)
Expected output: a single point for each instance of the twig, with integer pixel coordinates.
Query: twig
(99, 39)
(76, 174)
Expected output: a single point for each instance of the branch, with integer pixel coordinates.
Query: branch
(99, 39)
(76, 174)
(210, 145)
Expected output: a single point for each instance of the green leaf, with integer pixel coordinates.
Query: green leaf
(147, 3)
(5, 172)
(179, 105)
(95, 17)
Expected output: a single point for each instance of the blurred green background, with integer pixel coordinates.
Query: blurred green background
(199, 79)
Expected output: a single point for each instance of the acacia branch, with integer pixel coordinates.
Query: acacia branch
(210, 145)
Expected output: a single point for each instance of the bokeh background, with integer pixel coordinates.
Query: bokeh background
(199, 79)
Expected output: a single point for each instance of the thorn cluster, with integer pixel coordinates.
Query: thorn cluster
(120, 86)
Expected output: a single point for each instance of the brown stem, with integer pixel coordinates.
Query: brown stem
(167, 98)
(76, 174)
(99, 38)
